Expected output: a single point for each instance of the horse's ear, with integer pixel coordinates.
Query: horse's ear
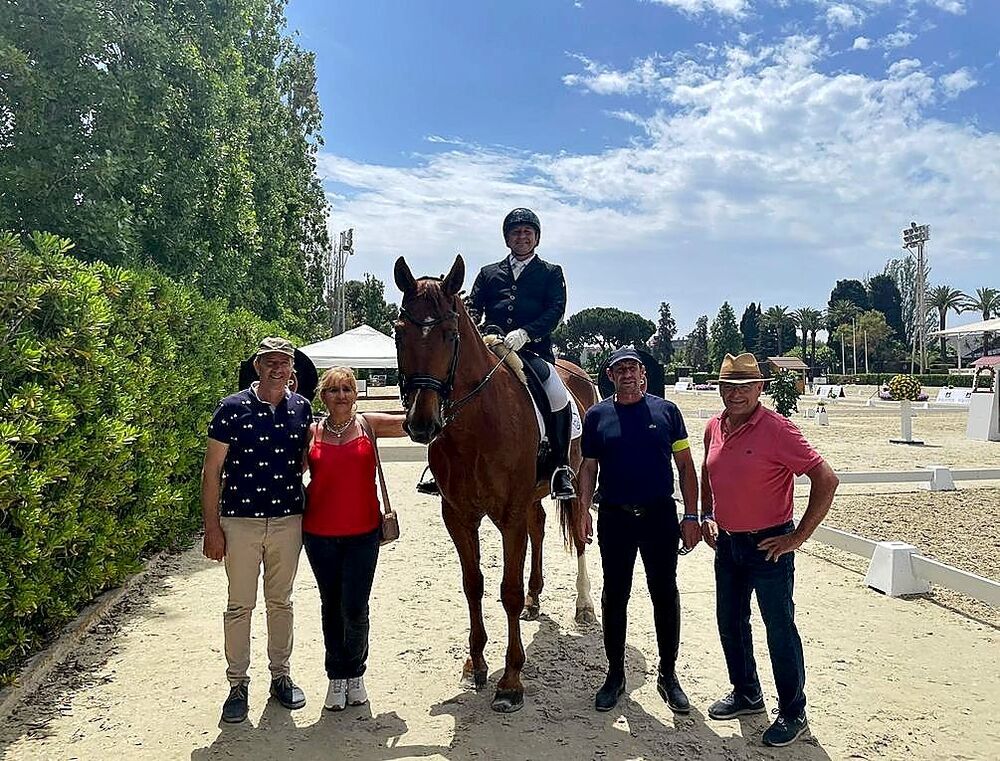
(454, 279)
(403, 276)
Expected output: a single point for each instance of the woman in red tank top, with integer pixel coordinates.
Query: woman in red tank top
(340, 529)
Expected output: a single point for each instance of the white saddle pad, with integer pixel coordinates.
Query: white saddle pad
(576, 428)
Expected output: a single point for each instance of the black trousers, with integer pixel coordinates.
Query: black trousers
(344, 567)
(655, 533)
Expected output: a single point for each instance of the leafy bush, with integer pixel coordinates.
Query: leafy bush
(784, 392)
(904, 387)
(108, 379)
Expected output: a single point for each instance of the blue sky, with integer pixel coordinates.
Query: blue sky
(690, 151)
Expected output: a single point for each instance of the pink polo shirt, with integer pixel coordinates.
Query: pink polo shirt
(752, 470)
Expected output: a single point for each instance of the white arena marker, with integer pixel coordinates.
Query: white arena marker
(891, 570)
(941, 478)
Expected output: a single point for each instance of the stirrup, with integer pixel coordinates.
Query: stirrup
(427, 484)
(571, 492)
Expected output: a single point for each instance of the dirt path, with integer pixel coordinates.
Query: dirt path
(887, 678)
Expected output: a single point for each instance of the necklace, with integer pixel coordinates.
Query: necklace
(338, 430)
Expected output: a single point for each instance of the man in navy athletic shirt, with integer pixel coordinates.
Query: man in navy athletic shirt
(630, 439)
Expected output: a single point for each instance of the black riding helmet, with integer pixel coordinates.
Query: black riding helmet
(522, 217)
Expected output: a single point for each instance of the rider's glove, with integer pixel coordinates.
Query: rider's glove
(516, 339)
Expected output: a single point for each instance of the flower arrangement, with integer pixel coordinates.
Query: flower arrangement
(904, 387)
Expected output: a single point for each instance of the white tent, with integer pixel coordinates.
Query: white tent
(986, 326)
(362, 346)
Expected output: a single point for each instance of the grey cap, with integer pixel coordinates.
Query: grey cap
(276, 345)
(618, 355)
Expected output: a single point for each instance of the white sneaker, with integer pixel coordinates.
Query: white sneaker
(356, 692)
(336, 695)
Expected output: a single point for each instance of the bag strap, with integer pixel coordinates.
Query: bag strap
(367, 428)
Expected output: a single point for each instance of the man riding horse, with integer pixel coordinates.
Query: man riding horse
(525, 297)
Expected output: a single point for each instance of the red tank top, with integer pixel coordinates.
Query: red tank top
(341, 498)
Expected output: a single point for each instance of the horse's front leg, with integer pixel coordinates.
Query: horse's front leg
(510, 692)
(536, 535)
(464, 532)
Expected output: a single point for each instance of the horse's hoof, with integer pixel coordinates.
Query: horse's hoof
(530, 613)
(476, 679)
(586, 616)
(508, 701)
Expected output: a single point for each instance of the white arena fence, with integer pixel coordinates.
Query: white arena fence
(896, 568)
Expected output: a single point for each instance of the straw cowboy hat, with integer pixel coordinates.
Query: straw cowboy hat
(741, 369)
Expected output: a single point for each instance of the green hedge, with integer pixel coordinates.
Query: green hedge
(877, 379)
(107, 380)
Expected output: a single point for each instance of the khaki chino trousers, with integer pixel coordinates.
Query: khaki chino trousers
(276, 544)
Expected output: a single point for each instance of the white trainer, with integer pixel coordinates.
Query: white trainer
(356, 692)
(336, 695)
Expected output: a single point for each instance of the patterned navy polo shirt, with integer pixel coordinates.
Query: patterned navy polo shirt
(262, 473)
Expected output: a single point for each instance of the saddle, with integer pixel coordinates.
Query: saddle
(526, 369)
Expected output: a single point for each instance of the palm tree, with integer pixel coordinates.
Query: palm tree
(810, 320)
(987, 303)
(778, 317)
(840, 312)
(945, 298)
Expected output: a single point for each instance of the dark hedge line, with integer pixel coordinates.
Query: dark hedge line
(877, 379)
(107, 380)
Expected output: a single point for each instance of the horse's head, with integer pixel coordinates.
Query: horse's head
(427, 345)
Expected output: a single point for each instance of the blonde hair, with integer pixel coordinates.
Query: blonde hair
(335, 375)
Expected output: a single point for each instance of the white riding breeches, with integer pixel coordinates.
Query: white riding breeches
(555, 390)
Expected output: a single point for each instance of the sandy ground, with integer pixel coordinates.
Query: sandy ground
(887, 678)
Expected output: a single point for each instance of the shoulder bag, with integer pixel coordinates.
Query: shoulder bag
(389, 531)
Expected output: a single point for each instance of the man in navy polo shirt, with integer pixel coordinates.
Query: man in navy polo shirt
(252, 503)
(630, 439)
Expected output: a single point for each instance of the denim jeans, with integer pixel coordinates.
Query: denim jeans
(621, 534)
(344, 567)
(741, 568)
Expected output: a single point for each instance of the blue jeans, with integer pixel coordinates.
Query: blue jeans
(741, 568)
(344, 567)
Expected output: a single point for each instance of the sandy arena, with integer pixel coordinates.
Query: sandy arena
(887, 678)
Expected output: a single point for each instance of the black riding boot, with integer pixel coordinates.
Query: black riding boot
(559, 438)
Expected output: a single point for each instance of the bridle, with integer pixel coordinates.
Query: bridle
(411, 383)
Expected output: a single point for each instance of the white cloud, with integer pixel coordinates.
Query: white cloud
(861, 43)
(957, 82)
(898, 39)
(725, 7)
(952, 6)
(843, 15)
(749, 159)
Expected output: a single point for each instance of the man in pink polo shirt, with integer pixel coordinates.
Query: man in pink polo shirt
(752, 456)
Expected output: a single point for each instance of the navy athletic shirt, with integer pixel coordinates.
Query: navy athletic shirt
(633, 445)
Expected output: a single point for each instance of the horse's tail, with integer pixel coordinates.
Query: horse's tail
(567, 521)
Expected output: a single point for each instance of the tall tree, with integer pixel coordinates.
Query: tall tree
(750, 327)
(778, 325)
(852, 291)
(605, 327)
(174, 137)
(365, 304)
(696, 350)
(987, 303)
(945, 299)
(810, 321)
(873, 332)
(662, 346)
(724, 336)
(884, 296)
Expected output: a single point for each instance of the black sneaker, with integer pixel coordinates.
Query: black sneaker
(235, 709)
(286, 692)
(672, 694)
(734, 705)
(607, 696)
(785, 731)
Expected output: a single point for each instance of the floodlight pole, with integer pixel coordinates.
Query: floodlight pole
(338, 307)
(914, 238)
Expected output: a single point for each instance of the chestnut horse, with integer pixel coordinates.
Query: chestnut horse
(483, 436)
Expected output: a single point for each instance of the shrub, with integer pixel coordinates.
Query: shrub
(904, 387)
(109, 377)
(783, 390)
(927, 379)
